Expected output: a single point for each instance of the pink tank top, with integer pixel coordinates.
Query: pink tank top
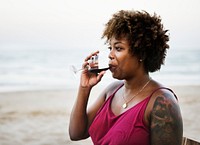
(127, 128)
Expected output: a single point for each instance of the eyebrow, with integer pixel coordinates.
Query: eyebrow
(118, 42)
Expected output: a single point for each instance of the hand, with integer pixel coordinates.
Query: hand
(89, 79)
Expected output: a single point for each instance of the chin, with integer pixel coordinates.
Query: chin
(117, 77)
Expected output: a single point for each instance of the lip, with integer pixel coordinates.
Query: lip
(112, 67)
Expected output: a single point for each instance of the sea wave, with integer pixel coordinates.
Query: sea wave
(49, 68)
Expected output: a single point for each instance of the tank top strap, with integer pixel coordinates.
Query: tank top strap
(112, 95)
(165, 89)
(108, 100)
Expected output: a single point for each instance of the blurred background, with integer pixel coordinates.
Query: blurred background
(40, 39)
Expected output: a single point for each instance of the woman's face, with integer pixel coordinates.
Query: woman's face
(123, 64)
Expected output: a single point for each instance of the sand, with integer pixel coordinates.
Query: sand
(42, 117)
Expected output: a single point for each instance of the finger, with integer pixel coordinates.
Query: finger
(100, 75)
(85, 65)
(92, 54)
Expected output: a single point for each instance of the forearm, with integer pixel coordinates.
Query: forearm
(79, 119)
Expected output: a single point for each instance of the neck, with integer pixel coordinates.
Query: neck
(136, 83)
(134, 93)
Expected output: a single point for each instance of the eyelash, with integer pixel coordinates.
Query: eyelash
(117, 48)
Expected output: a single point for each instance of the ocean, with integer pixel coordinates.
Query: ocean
(38, 69)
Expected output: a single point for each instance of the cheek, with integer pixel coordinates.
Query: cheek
(130, 63)
(122, 58)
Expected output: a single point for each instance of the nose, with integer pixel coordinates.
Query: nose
(111, 55)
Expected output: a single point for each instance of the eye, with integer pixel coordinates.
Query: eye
(109, 47)
(118, 48)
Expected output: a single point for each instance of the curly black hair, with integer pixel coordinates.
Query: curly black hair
(145, 34)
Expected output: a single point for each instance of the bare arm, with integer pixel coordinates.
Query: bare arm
(80, 118)
(166, 121)
(78, 128)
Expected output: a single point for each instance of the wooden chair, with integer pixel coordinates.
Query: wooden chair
(187, 141)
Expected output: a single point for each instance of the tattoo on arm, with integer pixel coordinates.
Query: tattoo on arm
(166, 122)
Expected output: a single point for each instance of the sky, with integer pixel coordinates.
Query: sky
(71, 24)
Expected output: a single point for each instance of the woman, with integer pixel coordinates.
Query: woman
(136, 110)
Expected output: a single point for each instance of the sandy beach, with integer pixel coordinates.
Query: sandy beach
(42, 117)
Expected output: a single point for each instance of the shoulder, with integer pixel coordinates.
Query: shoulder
(163, 103)
(162, 98)
(105, 94)
(111, 88)
(165, 118)
(163, 93)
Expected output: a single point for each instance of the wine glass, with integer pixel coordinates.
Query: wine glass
(97, 63)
